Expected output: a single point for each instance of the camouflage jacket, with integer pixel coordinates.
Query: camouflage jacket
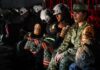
(32, 46)
(72, 39)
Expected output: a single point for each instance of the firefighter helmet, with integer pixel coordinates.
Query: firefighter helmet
(46, 15)
(23, 11)
(37, 8)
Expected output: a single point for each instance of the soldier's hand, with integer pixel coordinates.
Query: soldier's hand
(58, 57)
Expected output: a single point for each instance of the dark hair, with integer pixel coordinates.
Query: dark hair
(67, 18)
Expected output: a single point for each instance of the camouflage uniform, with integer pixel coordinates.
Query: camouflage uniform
(33, 43)
(60, 9)
(71, 43)
(31, 46)
(37, 53)
(69, 47)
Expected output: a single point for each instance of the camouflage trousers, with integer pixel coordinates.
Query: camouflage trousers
(46, 57)
(63, 64)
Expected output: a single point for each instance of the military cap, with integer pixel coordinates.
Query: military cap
(80, 7)
(60, 8)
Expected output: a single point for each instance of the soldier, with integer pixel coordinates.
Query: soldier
(33, 45)
(50, 36)
(33, 38)
(85, 57)
(62, 14)
(66, 52)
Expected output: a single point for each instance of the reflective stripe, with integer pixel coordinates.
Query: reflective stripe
(36, 41)
(46, 62)
(44, 45)
(50, 38)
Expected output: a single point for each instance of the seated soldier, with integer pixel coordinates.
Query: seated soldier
(33, 38)
(49, 40)
(85, 57)
(33, 45)
(34, 35)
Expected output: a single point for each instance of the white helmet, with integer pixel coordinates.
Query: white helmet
(37, 8)
(60, 8)
(46, 15)
(23, 11)
(16, 10)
